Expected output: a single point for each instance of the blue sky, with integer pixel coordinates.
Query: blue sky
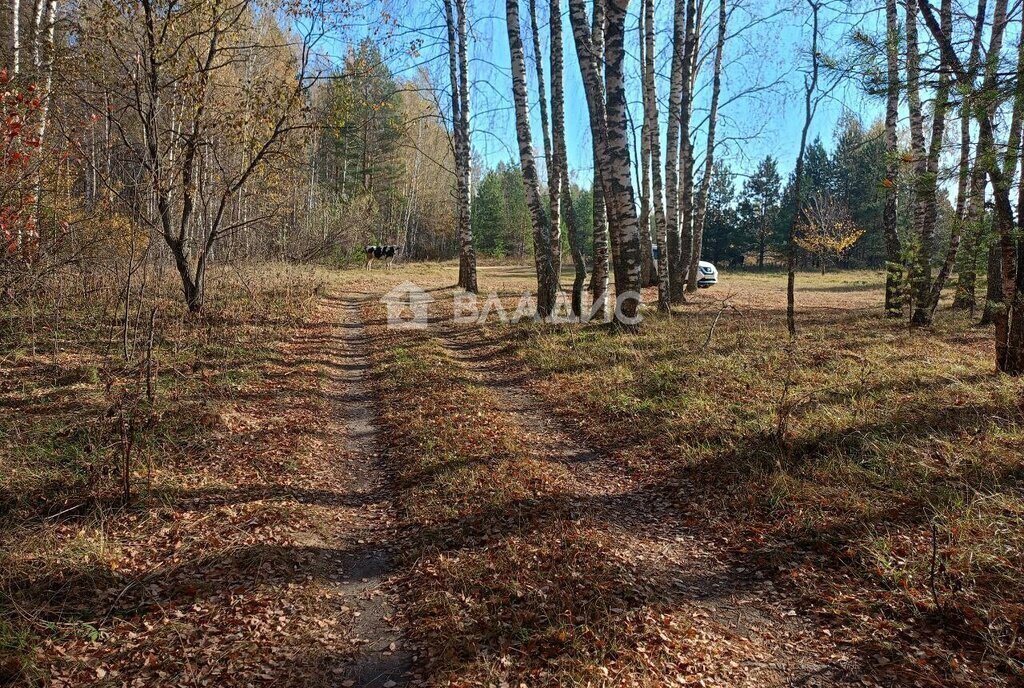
(762, 111)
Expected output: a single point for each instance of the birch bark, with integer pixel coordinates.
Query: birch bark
(651, 119)
(709, 154)
(546, 286)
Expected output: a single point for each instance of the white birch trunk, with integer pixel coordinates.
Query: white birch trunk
(541, 224)
(16, 37)
(709, 156)
(654, 137)
(893, 247)
(467, 255)
(616, 171)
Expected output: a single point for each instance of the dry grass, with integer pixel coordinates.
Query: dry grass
(875, 470)
(89, 584)
(503, 582)
(871, 473)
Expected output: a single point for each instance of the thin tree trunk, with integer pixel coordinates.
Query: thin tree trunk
(610, 198)
(560, 155)
(467, 255)
(599, 273)
(920, 260)
(542, 98)
(686, 152)
(43, 58)
(965, 298)
(16, 37)
(929, 291)
(994, 291)
(648, 273)
(964, 167)
(680, 260)
(709, 159)
(546, 286)
(453, 76)
(894, 268)
(550, 155)
(675, 95)
(651, 119)
(19, 240)
(579, 261)
(970, 204)
(590, 55)
(644, 165)
(44, 46)
(810, 85)
(38, 8)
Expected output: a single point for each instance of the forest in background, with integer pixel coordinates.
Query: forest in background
(173, 136)
(219, 136)
(151, 136)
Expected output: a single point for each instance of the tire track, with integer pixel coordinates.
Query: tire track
(730, 605)
(382, 657)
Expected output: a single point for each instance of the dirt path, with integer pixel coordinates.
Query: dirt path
(751, 630)
(382, 659)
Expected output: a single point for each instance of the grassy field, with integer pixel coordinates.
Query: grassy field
(704, 502)
(871, 470)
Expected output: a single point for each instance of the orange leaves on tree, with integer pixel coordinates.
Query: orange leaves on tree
(18, 142)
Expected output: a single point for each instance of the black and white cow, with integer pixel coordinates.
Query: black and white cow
(386, 252)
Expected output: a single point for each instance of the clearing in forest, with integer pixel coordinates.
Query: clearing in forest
(323, 499)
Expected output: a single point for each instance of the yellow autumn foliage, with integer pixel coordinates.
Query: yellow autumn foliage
(108, 234)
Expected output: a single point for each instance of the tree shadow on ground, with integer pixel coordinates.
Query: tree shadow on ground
(742, 467)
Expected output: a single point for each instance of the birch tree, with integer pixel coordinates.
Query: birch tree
(546, 282)
(613, 143)
(681, 258)
(560, 160)
(644, 161)
(1009, 315)
(677, 143)
(968, 212)
(550, 155)
(615, 171)
(593, 53)
(926, 165)
(16, 37)
(458, 71)
(43, 58)
(675, 95)
(467, 254)
(654, 136)
(893, 246)
(709, 153)
(590, 53)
